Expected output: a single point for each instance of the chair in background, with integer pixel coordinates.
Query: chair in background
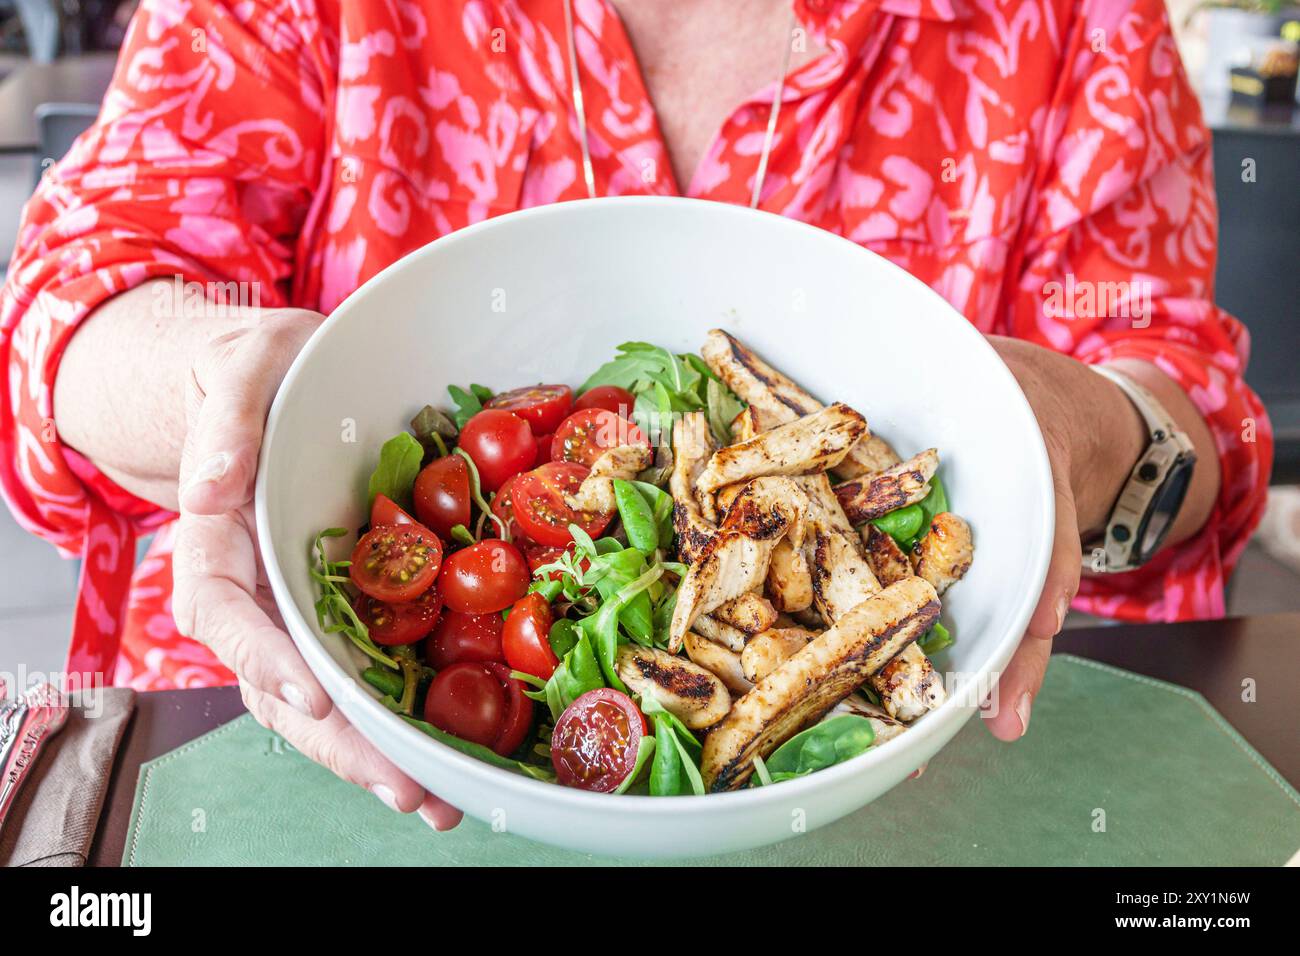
(59, 124)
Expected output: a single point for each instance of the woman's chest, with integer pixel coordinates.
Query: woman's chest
(432, 130)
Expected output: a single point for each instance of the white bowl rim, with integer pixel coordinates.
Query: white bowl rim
(309, 645)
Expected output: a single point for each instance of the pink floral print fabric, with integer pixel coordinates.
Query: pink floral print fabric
(1007, 152)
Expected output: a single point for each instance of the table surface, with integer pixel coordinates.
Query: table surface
(1220, 659)
(82, 79)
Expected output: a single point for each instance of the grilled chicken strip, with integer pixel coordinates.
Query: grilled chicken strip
(596, 493)
(735, 560)
(824, 506)
(745, 425)
(732, 638)
(944, 555)
(908, 685)
(722, 663)
(887, 560)
(685, 689)
(777, 400)
(789, 584)
(767, 651)
(804, 688)
(807, 445)
(692, 446)
(750, 613)
(885, 727)
(904, 484)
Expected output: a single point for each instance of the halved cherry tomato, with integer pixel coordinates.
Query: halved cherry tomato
(461, 637)
(503, 507)
(485, 577)
(501, 444)
(518, 719)
(524, 639)
(610, 397)
(442, 497)
(481, 703)
(396, 562)
(596, 739)
(386, 511)
(404, 623)
(469, 701)
(585, 434)
(542, 406)
(540, 554)
(541, 510)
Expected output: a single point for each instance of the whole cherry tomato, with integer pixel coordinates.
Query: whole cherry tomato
(501, 444)
(460, 637)
(467, 700)
(485, 577)
(609, 397)
(403, 623)
(442, 498)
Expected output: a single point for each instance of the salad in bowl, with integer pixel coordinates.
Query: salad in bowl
(684, 576)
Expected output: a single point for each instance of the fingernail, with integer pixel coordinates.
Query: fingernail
(918, 771)
(430, 819)
(293, 695)
(1062, 609)
(386, 795)
(1022, 711)
(211, 470)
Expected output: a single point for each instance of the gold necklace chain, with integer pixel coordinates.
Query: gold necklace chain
(589, 175)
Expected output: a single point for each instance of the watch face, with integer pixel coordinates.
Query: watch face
(1164, 508)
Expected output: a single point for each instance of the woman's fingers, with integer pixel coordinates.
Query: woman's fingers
(1012, 703)
(228, 396)
(335, 744)
(1008, 717)
(214, 570)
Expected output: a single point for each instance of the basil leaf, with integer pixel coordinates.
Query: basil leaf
(399, 463)
(820, 746)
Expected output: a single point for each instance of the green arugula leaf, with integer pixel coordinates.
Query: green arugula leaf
(468, 404)
(334, 611)
(399, 463)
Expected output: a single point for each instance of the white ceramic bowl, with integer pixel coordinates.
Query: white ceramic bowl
(545, 295)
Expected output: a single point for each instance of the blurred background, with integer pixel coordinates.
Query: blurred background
(57, 58)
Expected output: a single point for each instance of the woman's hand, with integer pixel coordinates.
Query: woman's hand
(1067, 398)
(221, 598)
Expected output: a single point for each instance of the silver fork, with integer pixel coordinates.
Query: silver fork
(27, 721)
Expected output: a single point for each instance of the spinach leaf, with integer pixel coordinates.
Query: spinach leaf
(644, 751)
(676, 769)
(936, 502)
(721, 407)
(578, 673)
(935, 639)
(822, 745)
(399, 463)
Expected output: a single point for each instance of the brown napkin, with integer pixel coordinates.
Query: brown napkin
(53, 819)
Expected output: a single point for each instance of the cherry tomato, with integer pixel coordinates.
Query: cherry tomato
(485, 577)
(501, 444)
(406, 623)
(518, 718)
(609, 397)
(542, 406)
(524, 637)
(543, 449)
(503, 507)
(394, 562)
(442, 494)
(463, 637)
(585, 434)
(469, 701)
(541, 510)
(596, 739)
(386, 511)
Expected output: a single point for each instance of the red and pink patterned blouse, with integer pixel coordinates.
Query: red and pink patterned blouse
(1010, 153)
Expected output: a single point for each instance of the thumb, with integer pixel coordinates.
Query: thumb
(227, 398)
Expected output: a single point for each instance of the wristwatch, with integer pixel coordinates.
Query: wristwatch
(1146, 507)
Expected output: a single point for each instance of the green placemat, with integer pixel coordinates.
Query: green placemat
(1119, 769)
